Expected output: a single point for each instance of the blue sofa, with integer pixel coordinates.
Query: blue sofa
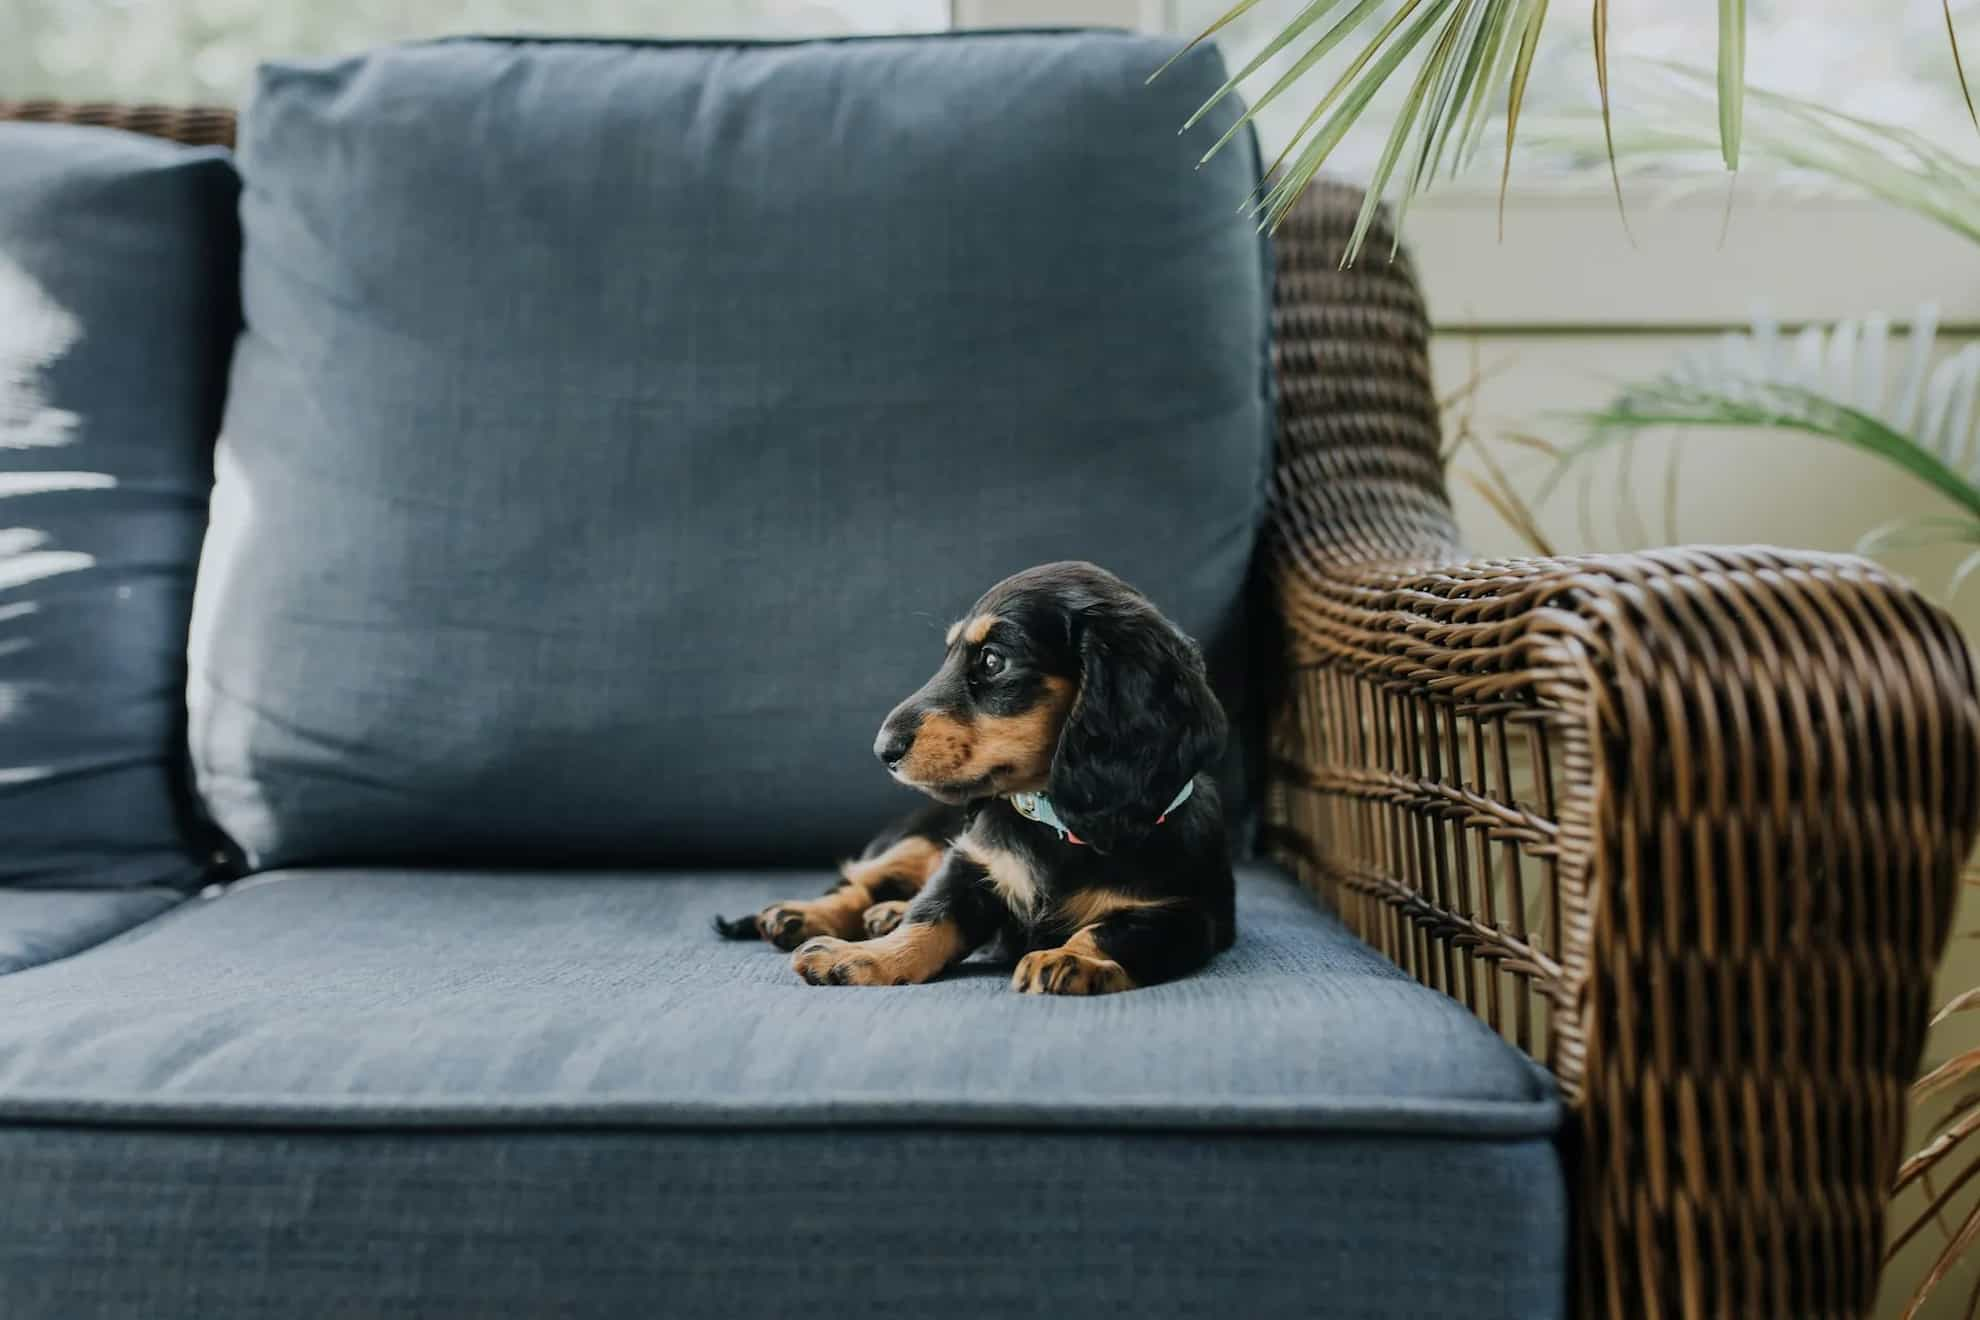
(605, 434)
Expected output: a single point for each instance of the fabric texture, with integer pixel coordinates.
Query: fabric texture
(381, 1093)
(441, 998)
(647, 411)
(775, 1223)
(41, 925)
(117, 314)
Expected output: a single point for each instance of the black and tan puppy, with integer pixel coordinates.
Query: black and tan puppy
(1064, 739)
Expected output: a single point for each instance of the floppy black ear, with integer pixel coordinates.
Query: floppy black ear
(1145, 723)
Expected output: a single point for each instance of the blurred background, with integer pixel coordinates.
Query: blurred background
(1571, 311)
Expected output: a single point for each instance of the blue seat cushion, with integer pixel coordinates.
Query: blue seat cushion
(506, 1095)
(648, 411)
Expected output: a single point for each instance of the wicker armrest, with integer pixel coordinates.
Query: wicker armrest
(199, 126)
(1685, 825)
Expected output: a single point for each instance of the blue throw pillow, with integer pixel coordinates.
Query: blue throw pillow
(118, 308)
(616, 427)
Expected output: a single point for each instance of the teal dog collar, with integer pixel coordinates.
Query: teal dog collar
(1038, 807)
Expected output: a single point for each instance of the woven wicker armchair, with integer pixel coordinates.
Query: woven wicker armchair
(1686, 826)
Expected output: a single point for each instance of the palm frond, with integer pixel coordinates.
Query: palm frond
(1968, 1232)
(1328, 40)
(1963, 572)
(1676, 130)
(1223, 20)
(1835, 384)
(1917, 533)
(1483, 48)
(1959, 65)
(1732, 79)
(1533, 15)
(1927, 1160)
(1965, 1001)
(1921, 1164)
(1495, 55)
(1960, 1066)
(1962, 1109)
(1601, 35)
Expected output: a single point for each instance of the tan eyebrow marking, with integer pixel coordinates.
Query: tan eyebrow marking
(979, 628)
(955, 630)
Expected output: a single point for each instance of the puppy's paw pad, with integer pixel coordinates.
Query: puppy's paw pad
(1063, 972)
(882, 918)
(784, 925)
(829, 961)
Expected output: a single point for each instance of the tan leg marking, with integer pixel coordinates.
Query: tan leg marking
(1076, 967)
(1090, 906)
(907, 864)
(915, 952)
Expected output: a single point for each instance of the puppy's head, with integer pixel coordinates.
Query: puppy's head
(1061, 679)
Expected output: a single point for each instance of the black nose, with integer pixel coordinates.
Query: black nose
(894, 741)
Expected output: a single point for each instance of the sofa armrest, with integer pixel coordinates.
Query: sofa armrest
(1686, 825)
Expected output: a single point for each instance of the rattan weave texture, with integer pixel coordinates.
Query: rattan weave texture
(198, 126)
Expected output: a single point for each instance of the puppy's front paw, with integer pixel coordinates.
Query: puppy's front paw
(882, 918)
(828, 961)
(788, 925)
(1063, 972)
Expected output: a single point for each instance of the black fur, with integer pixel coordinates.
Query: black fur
(1185, 866)
(1143, 722)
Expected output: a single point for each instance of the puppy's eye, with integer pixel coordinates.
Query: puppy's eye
(989, 663)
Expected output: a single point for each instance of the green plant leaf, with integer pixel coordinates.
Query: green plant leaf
(1433, 81)
(1391, 54)
(1832, 385)
(1306, 18)
(1331, 38)
(1960, 574)
(1341, 84)
(1959, 65)
(1453, 91)
(1601, 12)
(1385, 164)
(1231, 15)
(1781, 407)
(1501, 28)
(1534, 15)
(1732, 79)
(1919, 532)
(1895, 164)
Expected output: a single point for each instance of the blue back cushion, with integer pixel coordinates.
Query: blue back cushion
(117, 312)
(616, 427)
